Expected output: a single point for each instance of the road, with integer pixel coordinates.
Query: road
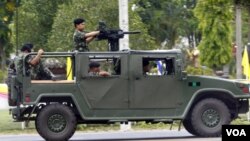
(158, 135)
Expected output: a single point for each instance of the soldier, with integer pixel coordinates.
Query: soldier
(94, 70)
(82, 38)
(38, 72)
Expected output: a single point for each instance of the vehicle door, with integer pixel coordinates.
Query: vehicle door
(158, 87)
(105, 92)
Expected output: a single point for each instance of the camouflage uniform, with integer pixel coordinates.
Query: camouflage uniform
(37, 72)
(80, 41)
(19, 63)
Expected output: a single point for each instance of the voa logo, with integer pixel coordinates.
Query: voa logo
(236, 132)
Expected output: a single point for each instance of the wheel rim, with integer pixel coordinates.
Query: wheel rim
(56, 123)
(210, 118)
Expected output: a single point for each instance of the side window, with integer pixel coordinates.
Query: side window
(104, 66)
(57, 68)
(158, 66)
(53, 68)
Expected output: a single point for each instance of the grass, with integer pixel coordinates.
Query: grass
(7, 126)
(242, 120)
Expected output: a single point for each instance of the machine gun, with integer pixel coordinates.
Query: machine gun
(112, 35)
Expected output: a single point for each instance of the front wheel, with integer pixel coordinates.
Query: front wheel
(56, 122)
(208, 116)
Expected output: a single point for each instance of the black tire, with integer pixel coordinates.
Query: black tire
(208, 116)
(188, 126)
(56, 122)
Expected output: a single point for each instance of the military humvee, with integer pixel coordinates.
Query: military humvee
(163, 94)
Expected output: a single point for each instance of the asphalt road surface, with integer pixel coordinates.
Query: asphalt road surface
(159, 135)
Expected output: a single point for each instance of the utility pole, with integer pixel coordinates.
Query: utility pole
(124, 42)
(238, 41)
(124, 23)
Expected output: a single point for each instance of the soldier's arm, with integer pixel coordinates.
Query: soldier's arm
(36, 59)
(104, 73)
(91, 35)
(89, 39)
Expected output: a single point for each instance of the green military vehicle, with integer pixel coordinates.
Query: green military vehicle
(164, 93)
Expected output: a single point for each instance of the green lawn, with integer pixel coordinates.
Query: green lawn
(7, 126)
(242, 120)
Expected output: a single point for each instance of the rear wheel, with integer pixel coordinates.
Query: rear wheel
(208, 116)
(56, 122)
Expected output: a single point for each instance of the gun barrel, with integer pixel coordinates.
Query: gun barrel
(131, 32)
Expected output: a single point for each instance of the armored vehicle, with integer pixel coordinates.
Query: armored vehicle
(148, 86)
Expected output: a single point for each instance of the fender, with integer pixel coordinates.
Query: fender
(70, 95)
(199, 92)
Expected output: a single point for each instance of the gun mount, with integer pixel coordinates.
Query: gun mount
(112, 35)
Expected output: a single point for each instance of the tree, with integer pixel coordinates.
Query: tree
(168, 20)
(63, 28)
(7, 9)
(35, 21)
(215, 17)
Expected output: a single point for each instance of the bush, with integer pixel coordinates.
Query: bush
(199, 70)
(2, 76)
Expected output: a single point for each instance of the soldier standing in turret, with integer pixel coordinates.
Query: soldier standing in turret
(82, 38)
